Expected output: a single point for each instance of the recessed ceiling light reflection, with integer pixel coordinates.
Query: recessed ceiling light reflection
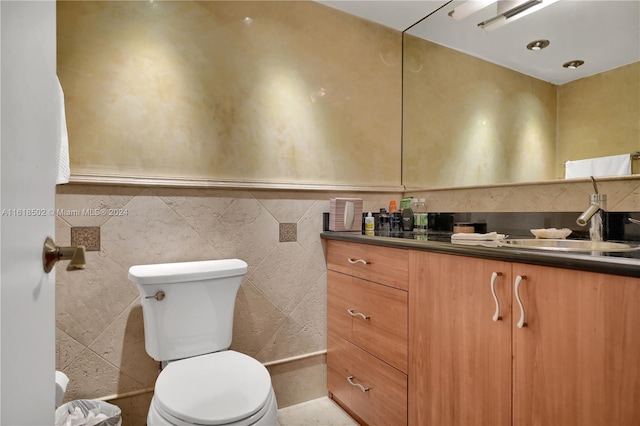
(538, 44)
(247, 20)
(572, 65)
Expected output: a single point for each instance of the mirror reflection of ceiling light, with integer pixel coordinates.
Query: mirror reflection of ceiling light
(572, 65)
(509, 11)
(538, 44)
(469, 7)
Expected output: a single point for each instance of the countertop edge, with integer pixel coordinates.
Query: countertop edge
(583, 262)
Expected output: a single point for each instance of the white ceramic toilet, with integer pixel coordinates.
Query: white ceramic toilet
(188, 323)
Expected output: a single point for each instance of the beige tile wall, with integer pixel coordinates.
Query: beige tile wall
(623, 194)
(280, 308)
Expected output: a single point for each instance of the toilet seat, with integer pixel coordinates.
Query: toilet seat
(213, 389)
(265, 417)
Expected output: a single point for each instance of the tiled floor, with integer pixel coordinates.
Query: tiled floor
(317, 412)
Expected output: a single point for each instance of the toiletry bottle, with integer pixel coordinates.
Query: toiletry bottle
(424, 216)
(369, 225)
(416, 218)
(383, 224)
(407, 219)
(392, 207)
(395, 221)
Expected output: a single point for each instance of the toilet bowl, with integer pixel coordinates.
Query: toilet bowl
(188, 320)
(223, 388)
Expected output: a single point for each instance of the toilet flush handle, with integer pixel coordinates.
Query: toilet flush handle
(159, 296)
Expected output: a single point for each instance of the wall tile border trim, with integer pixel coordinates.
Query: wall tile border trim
(96, 179)
(223, 184)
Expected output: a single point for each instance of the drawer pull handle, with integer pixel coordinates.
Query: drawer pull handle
(357, 314)
(354, 261)
(352, 383)
(519, 279)
(494, 277)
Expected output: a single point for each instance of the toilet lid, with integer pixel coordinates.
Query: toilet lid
(213, 389)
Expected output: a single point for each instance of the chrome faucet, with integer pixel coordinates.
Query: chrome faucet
(594, 214)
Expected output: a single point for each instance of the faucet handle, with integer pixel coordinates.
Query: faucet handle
(595, 185)
(51, 253)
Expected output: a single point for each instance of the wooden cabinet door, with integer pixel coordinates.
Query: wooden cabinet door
(460, 359)
(577, 360)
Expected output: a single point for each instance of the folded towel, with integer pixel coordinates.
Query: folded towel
(495, 243)
(614, 165)
(490, 236)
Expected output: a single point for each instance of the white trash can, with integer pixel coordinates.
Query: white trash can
(88, 412)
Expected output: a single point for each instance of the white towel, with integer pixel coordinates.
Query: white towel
(614, 165)
(491, 236)
(63, 143)
(477, 243)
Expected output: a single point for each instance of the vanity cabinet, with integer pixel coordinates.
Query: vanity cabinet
(577, 360)
(460, 360)
(571, 359)
(367, 314)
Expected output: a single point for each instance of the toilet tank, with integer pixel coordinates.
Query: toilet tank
(188, 306)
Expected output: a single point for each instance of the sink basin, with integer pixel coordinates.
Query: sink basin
(568, 245)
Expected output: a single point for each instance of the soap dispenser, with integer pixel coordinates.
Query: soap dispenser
(369, 225)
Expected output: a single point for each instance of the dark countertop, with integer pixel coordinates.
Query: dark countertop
(616, 263)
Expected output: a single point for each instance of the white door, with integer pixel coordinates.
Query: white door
(29, 125)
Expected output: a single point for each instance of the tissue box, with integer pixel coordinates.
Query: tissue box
(345, 214)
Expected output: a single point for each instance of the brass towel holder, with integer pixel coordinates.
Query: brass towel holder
(51, 253)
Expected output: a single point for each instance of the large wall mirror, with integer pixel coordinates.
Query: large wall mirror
(480, 108)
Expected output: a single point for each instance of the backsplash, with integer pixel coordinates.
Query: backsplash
(519, 224)
(623, 195)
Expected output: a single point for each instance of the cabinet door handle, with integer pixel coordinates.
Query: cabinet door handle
(494, 277)
(352, 383)
(519, 279)
(353, 313)
(354, 261)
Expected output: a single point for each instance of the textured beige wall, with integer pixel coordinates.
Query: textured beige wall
(471, 122)
(600, 116)
(281, 305)
(297, 92)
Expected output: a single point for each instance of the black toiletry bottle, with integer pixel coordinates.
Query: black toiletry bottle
(407, 219)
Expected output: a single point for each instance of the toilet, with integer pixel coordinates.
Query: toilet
(188, 322)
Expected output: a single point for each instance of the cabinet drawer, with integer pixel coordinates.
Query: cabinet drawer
(380, 264)
(385, 401)
(384, 332)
